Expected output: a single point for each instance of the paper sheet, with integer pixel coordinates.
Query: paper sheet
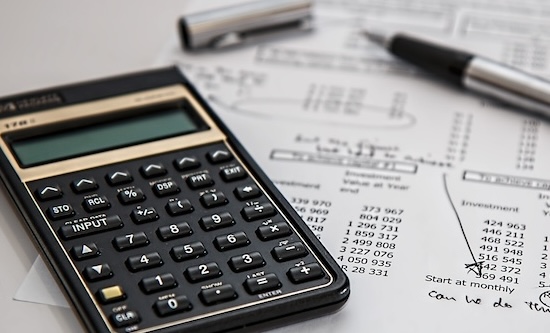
(435, 202)
(40, 287)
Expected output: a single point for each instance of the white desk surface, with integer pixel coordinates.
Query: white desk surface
(48, 43)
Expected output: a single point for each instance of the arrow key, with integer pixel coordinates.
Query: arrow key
(247, 192)
(49, 192)
(119, 177)
(98, 272)
(84, 185)
(219, 156)
(85, 251)
(187, 163)
(153, 170)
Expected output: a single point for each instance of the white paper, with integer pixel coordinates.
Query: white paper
(435, 202)
(40, 287)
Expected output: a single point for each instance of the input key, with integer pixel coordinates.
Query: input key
(90, 226)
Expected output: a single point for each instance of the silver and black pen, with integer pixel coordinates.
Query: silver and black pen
(470, 71)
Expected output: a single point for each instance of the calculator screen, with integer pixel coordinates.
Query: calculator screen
(83, 140)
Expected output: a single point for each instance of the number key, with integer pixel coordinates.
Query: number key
(203, 272)
(216, 221)
(157, 283)
(246, 261)
(172, 305)
(173, 231)
(231, 241)
(130, 241)
(188, 251)
(144, 261)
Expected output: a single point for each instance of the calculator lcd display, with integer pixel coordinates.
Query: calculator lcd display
(104, 136)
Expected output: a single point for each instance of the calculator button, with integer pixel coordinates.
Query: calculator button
(272, 231)
(203, 272)
(60, 211)
(98, 272)
(219, 156)
(119, 177)
(157, 283)
(130, 241)
(172, 231)
(213, 199)
(97, 203)
(188, 251)
(90, 227)
(216, 221)
(49, 193)
(165, 188)
(263, 283)
(172, 305)
(305, 273)
(258, 211)
(130, 196)
(144, 261)
(144, 215)
(179, 207)
(85, 251)
(231, 241)
(289, 251)
(126, 318)
(153, 170)
(84, 185)
(247, 192)
(223, 293)
(199, 181)
(187, 163)
(233, 173)
(111, 294)
(246, 261)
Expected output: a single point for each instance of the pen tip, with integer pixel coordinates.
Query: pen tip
(377, 37)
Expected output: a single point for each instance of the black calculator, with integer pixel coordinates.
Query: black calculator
(152, 216)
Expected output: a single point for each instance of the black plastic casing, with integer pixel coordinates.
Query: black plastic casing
(266, 315)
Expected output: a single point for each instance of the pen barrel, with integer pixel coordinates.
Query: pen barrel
(436, 59)
(234, 25)
(510, 85)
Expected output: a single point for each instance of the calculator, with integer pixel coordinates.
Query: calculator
(152, 216)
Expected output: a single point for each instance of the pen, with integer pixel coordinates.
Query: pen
(470, 71)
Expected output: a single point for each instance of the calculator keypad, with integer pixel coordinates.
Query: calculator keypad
(176, 236)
